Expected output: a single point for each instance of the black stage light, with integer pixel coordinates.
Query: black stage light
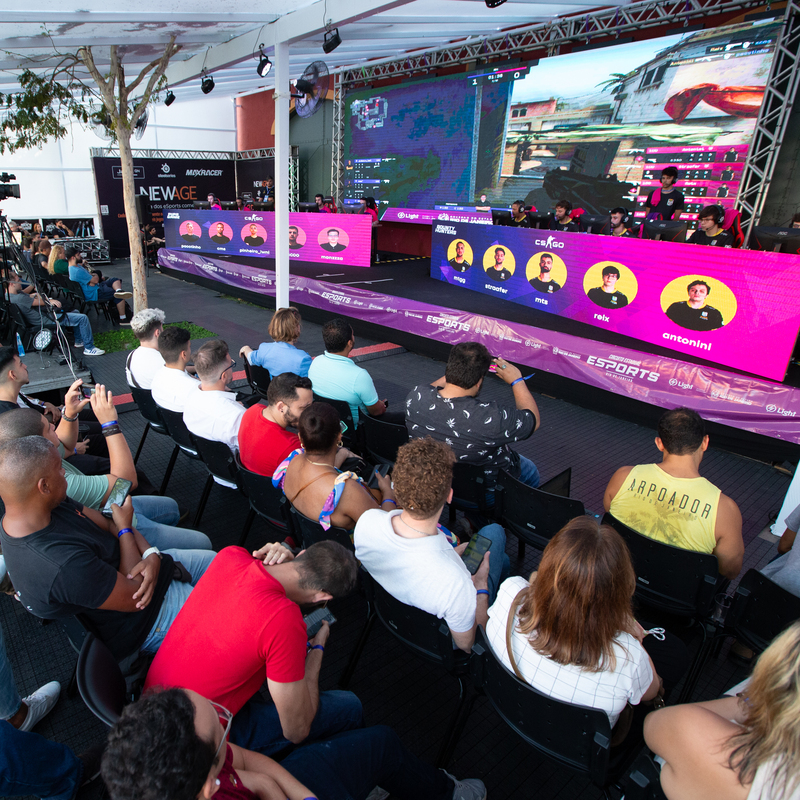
(264, 66)
(332, 40)
(169, 99)
(494, 3)
(207, 84)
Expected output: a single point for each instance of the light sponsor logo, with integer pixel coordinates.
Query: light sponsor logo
(622, 369)
(335, 298)
(253, 218)
(447, 322)
(446, 229)
(173, 215)
(203, 173)
(406, 215)
(549, 243)
(784, 412)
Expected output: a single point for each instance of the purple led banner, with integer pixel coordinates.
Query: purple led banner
(760, 406)
(427, 216)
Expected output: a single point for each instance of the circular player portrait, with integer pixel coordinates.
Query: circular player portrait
(254, 235)
(546, 272)
(499, 263)
(609, 284)
(333, 240)
(698, 303)
(190, 231)
(220, 232)
(297, 237)
(459, 255)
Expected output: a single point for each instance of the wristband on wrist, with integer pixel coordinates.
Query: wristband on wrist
(110, 423)
(150, 551)
(527, 377)
(389, 500)
(482, 591)
(69, 419)
(112, 431)
(315, 647)
(124, 531)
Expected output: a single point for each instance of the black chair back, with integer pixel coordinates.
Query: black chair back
(761, 610)
(534, 516)
(311, 531)
(258, 378)
(572, 735)
(349, 436)
(100, 681)
(559, 484)
(149, 409)
(218, 458)
(469, 490)
(381, 439)
(670, 579)
(177, 429)
(266, 500)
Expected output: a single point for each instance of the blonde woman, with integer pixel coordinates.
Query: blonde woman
(57, 261)
(281, 355)
(737, 748)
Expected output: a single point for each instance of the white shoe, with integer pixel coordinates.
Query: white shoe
(468, 789)
(123, 295)
(40, 704)
(93, 351)
(78, 344)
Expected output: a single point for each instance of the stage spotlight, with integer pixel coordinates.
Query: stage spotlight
(264, 66)
(494, 3)
(207, 84)
(332, 40)
(169, 99)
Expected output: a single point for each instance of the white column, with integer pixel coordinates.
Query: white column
(282, 174)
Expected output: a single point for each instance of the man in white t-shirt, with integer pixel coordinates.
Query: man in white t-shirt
(145, 360)
(212, 411)
(407, 553)
(171, 384)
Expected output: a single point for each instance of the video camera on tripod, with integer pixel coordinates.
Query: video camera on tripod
(8, 189)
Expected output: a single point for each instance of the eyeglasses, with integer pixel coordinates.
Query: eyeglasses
(230, 366)
(225, 720)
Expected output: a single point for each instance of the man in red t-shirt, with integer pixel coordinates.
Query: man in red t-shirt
(263, 439)
(243, 624)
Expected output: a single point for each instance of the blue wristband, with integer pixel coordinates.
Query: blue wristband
(124, 531)
(110, 423)
(482, 591)
(527, 377)
(315, 646)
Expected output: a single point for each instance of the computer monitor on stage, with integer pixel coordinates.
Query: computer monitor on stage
(667, 230)
(263, 207)
(228, 205)
(308, 208)
(501, 216)
(776, 240)
(541, 221)
(595, 223)
(201, 204)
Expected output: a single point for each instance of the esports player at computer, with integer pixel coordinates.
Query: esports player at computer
(213, 202)
(562, 221)
(459, 263)
(796, 221)
(606, 296)
(666, 202)
(543, 282)
(695, 314)
(709, 228)
(519, 215)
(497, 272)
(620, 219)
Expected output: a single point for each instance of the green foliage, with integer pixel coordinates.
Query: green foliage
(123, 338)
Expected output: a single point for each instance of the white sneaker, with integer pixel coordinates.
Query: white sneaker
(468, 789)
(93, 351)
(40, 704)
(123, 295)
(78, 344)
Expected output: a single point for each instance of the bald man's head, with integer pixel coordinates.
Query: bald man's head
(23, 463)
(19, 423)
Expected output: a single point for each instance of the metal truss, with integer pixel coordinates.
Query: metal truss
(772, 120)
(337, 171)
(263, 152)
(214, 155)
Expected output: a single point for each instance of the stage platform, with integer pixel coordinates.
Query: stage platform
(397, 300)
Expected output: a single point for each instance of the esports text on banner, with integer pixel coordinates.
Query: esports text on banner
(731, 307)
(317, 238)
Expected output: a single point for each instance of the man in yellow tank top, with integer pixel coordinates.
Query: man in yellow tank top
(670, 502)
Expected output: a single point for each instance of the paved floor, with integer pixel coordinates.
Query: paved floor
(396, 688)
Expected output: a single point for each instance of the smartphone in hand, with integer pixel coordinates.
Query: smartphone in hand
(119, 491)
(383, 469)
(476, 549)
(315, 619)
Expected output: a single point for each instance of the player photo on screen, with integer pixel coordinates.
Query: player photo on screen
(459, 255)
(333, 240)
(297, 237)
(190, 231)
(546, 272)
(698, 303)
(220, 233)
(254, 235)
(610, 285)
(499, 263)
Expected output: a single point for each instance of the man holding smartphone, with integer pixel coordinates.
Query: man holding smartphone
(409, 555)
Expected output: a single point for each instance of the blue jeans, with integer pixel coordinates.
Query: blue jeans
(80, 321)
(257, 726)
(499, 564)
(350, 765)
(33, 765)
(528, 472)
(105, 289)
(156, 520)
(196, 561)
(9, 696)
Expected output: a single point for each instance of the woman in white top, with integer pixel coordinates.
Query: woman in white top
(574, 636)
(745, 747)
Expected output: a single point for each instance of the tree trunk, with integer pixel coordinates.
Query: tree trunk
(138, 276)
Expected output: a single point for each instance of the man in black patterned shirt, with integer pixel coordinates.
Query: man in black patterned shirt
(450, 411)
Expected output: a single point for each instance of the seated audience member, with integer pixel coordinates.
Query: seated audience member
(172, 744)
(13, 376)
(264, 440)
(314, 485)
(618, 218)
(519, 215)
(146, 360)
(43, 253)
(27, 248)
(574, 636)
(95, 289)
(450, 411)
(337, 376)
(785, 570)
(671, 503)
(67, 559)
(562, 221)
(212, 411)
(155, 518)
(34, 308)
(744, 747)
(281, 355)
(407, 553)
(709, 228)
(666, 202)
(171, 384)
(256, 632)
(57, 263)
